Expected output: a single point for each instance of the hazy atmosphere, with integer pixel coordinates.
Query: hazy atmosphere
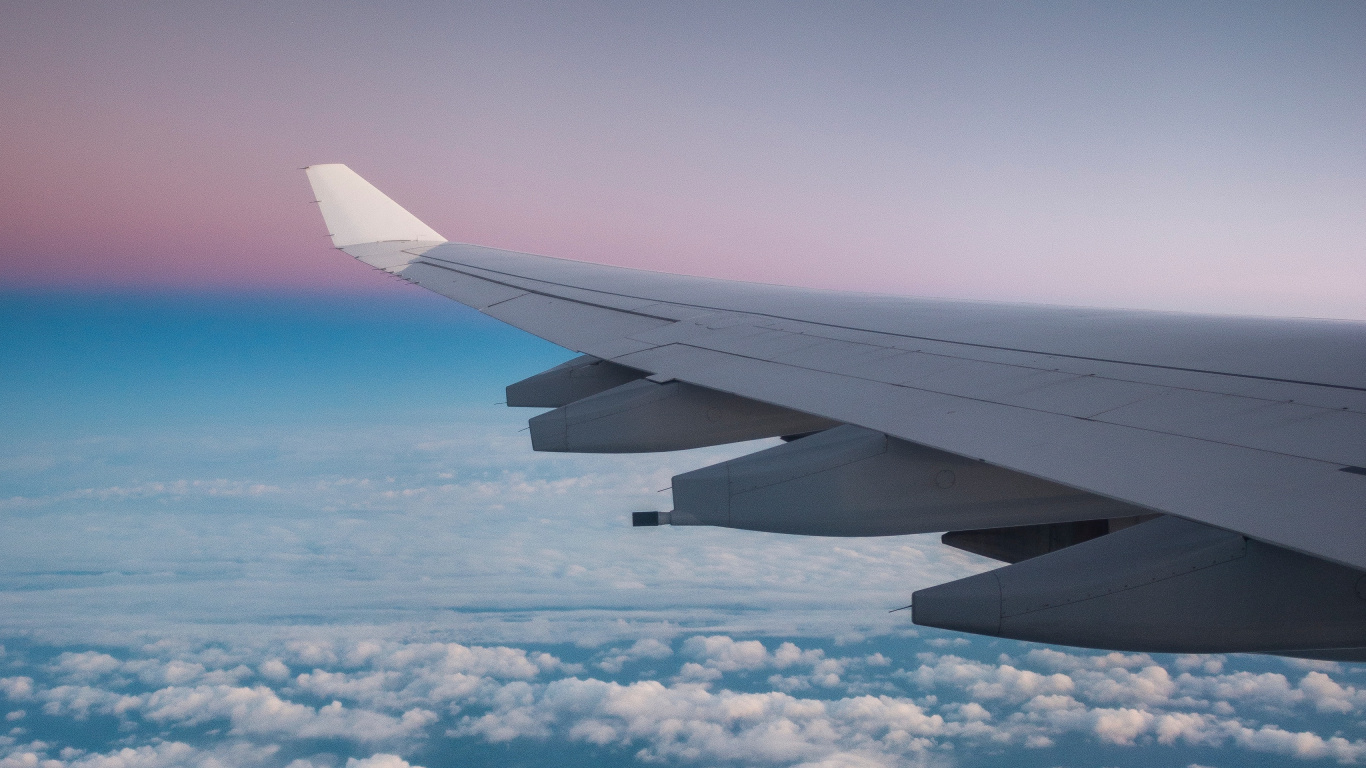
(260, 505)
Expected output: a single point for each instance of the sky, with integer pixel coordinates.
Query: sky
(261, 505)
(1197, 156)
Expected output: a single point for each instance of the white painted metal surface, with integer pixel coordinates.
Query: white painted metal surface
(356, 213)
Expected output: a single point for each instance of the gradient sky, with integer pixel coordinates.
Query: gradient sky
(1199, 156)
(259, 506)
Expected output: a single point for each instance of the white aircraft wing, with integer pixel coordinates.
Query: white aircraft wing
(1250, 425)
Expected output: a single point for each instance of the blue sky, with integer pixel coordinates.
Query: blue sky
(138, 362)
(300, 532)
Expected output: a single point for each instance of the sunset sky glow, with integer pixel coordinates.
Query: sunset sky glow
(1204, 157)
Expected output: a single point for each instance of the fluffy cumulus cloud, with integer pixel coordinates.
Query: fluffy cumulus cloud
(718, 654)
(643, 649)
(379, 761)
(693, 699)
(163, 754)
(687, 722)
(401, 597)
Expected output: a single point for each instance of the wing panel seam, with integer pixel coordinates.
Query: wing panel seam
(1010, 405)
(531, 291)
(428, 259)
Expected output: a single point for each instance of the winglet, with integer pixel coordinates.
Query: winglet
(358, 213)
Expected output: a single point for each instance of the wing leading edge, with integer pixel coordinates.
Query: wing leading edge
(1254, 426)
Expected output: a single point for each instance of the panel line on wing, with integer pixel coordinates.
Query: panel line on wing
(949, 393)
(428, 258)
(1244, 489)
(428, 262)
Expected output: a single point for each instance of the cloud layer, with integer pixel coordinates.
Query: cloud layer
(412, 586)
(689, 699)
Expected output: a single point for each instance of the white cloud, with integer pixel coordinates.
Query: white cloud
(379, 761)
(719, 654)
(1329, 696)
(173, 672)
(88, 665)
(485, 535)
(973, 711)
(79, 701)
(1274, 690)
(816, 710)
(1304, 744)
(988, 681)
(1209, 664)
(274, 669)
(1265, 688)
(687, 722)
(1121, 726)
(726, 654)
(17, 688)
(1152, 684)
(164, 754)
(313, 651)
(260, 710)
(644, 648)
(460, 546)
(173, 488)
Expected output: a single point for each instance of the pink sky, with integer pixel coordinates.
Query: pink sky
(1209, 160)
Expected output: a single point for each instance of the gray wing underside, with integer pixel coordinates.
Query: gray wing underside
(1253, 425)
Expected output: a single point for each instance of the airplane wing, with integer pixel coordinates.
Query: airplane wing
(1047, 437)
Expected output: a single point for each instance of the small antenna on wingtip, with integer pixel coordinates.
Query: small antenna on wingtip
(902, 608)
